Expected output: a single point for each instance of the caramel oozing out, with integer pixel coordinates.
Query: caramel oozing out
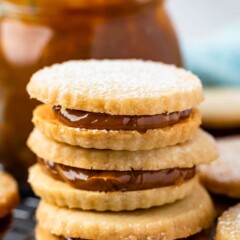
(103, 121)
(110, 181)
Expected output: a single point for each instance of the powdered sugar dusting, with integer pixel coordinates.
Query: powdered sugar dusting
(117, 86)
(131, 78)
(229, 223)
(227, 167)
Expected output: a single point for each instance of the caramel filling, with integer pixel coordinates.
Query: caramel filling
(110, 181)
(101, 121)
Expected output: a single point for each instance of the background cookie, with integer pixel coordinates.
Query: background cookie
(120, 87)
(228, 227)
(62, 194)
(190, 215)
(201, 149)
(222, 175)
(221, 108)
(9, 197)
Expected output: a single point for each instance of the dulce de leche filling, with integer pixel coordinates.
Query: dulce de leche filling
(110, 181)
(101, 121)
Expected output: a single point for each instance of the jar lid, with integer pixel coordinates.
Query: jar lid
(73, 4)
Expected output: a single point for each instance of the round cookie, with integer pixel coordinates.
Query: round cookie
(200, 150)
(117, 87)
(9, 197)
(46, 121)
(41, 234)
(222, 176)
(117, 104)
(61, 194)
(173, 221)
(228, 226)
(221, 108)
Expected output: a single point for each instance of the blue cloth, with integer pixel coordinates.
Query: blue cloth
(217, 60)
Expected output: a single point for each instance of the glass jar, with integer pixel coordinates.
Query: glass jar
(37, 33)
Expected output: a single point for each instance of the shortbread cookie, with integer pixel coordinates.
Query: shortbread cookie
(200, 150)
(117, 87)
(9, 197)
(46, 121)
(117, 104)
(223, 176)
(64, 195)
(221, 108)
(173, 221)
(41, 234)
(228, 227)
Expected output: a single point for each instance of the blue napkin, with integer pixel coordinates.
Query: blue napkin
(217, 60)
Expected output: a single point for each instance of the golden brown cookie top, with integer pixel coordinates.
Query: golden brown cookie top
(9, 197)
(120, 87)
(228, 227)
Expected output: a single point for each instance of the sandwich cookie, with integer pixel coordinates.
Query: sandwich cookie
(222, 176)
(173, 221)
(9, 199)
(74, 177)
(228, 227)
(120, 104)
(220, 109)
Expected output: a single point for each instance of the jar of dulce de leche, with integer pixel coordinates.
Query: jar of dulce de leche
(36, 33)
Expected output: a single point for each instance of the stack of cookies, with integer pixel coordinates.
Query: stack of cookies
(117, 143)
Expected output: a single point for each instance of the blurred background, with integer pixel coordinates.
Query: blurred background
(200, 35)
(197, 20)
(209, 35)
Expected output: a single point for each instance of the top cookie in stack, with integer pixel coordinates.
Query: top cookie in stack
(119, 105)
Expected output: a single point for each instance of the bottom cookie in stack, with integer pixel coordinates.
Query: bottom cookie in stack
(9, 199)
(173, 221)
